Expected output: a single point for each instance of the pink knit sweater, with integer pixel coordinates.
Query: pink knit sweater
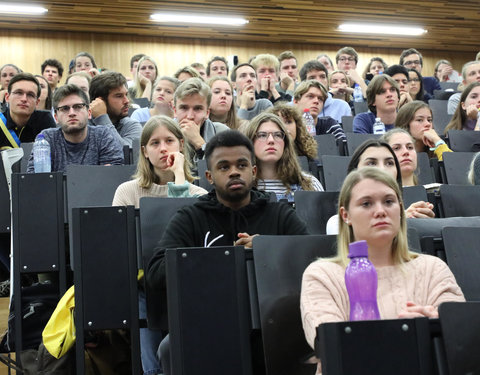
(426, 280)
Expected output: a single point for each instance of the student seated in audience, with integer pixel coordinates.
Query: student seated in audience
(332, 107)
(200, 68)
(231, 214)
(474, 170)
(192, 102)
(82, 80)
(244, 80)
(45, 98)
(217, 66)
(74, 141)
(383, 95)
(52, 70)
(278, 169)
(400, 75)
(340, 86)
(109, 106)
(416, 86)
(304, 143)
(403, 144)
(312, 95)
(7, 72)
(147, 73)
(163, 169)
(162, 100)
(326, 61)
(267, 69)
(288, 73)
(347, 60)
(444, 72)
(467, 115)
(133, 68)
(84, 62)
(470, 74)
(416, 118)
(412, 59)
(375, 66)
(222, 108)
(20, 122)
(410, 285)
(185, 73)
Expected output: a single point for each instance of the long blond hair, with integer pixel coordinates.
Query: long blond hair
(145, 172)
(288, 167)
(400, 252)
(232, 120)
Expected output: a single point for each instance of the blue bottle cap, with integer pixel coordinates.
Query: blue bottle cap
(358, 249)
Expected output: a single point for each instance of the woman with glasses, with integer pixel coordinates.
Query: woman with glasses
(278, 169)
(416, 90)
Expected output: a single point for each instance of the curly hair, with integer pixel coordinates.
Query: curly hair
(288, 167)
(304, 143)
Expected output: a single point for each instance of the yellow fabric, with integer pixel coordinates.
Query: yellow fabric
(7, 134)
(440, 150)
(59, 333)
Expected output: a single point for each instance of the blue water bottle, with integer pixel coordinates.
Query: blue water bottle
(42, 161)
(361, 282)
(357, 93)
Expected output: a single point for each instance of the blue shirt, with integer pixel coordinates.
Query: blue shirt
(363, 123)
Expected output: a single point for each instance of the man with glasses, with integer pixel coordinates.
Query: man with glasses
(412, 59)
(347, 60)
(400, 75)
(74, 141)
(21, 122)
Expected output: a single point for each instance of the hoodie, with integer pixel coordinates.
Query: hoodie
(210, 223)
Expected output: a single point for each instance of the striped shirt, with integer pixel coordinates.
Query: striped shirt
(280, 190)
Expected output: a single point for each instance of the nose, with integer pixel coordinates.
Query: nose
(190, 114)
(270, 138)
(379, 209)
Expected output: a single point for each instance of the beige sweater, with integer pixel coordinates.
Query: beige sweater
(425, 280)
(129, 193)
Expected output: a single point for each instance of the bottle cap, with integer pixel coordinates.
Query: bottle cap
(358, 249)
(306, 110)
(377, 119)
(40, 136)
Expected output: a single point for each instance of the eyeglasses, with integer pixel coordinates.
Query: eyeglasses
(343, 59)
(413, 62)
(20, 93)
(76, 108)
(263, 136)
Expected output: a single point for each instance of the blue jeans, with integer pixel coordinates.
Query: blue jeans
(149, 341)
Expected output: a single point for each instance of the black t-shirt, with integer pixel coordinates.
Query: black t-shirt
(38, 121)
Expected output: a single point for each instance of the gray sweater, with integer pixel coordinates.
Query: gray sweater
(126, 130)
(100, 147)
(260, 106)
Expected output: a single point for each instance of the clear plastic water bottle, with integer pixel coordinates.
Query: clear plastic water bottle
(357, 93)
(42, 161)
(361, 282)
(378, 126)
(309, 122)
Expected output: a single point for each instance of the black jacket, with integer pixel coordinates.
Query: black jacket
(190, 227)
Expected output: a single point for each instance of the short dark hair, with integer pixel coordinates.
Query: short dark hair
(373, 143)
(67, 90)
(85, 54)
(396, 69)
(55, 63)
(24, 77)
(136, 57)
(233, 76)
(217, 58)
(309, 66)
(228, 138)
(408, 52)
(102, 84)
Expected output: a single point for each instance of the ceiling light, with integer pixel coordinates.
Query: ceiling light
(380, 29)
(21, 9)
(210, 20)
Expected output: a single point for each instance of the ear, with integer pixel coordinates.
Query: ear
(208, 174)
(464, 107)
(182, 141)
(295, 101)
(254, 171)
(7, 97)
(144, 152)
(89, 113)
(208, 113)
(55, 116)
(344, 215)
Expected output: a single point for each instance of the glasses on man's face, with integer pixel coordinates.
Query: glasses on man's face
(30, 95)
(66, 108)
(343, 59)
(410, 63)
(263, 136)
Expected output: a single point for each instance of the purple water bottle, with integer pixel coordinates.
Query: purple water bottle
(361, 281)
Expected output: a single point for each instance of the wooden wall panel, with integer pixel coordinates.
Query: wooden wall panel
(29, 49)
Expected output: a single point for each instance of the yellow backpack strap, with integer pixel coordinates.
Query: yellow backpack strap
(3, 125)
